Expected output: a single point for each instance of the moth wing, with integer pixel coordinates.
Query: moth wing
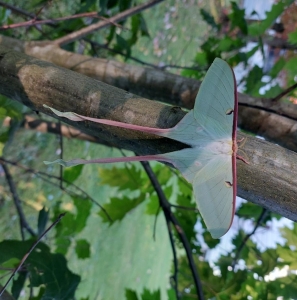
(215, 192)
(214, 110)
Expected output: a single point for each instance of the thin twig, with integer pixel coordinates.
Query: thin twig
(164, 203)
(30, 251)
(285, 92)
(175, 261)
(37, 21)
(167, 212)
(17, 203)
(119, 17)
(188, 249)
(164, 67)
(17, 10)
(247, 237)
(41, 174)
(61, 155)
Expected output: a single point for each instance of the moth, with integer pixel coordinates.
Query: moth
(210, 131)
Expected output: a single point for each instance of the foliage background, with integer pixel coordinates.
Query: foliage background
(123, 258)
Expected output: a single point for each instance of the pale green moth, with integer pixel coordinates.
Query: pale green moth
(210, 129)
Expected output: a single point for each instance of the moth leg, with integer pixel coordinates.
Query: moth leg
(242, 159)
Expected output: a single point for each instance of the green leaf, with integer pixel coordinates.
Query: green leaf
(82, 249)
(163, 173)
(42, 220)
(153, 206)
(249, 211)
(18, 284)
(83, 210)
(285, 287)
(131, 295)
(188, 218)
(44, 267)
(278, 66)
(171, 294)
(292, 37)
(143, 26)
(117, 208)
(112, 32)
(242, 56)
(103, 6)
(290, 235)
(237, 242)
(123, 45)
(291, 66)
(147, 295)
(210, 242)
(273, 91)
(237, 18)
(10, 108)
(70, 174)
(125, 4)
(146, 263)
(254, 77)
(72, 223)
(225, 44)
(4, 14)
(201, 59)
(122, 178)
(209, 19)
(138, 24)
(268, 262)
(228, 44)
(277, 9)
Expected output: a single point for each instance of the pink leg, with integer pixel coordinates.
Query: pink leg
(242, 159)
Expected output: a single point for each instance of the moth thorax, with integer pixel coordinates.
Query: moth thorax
(221, 146)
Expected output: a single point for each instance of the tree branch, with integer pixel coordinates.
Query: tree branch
(267, 181)
(170, 88)
(17, 202)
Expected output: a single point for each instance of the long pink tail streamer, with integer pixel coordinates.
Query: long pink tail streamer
(75, 162)
(78, 118)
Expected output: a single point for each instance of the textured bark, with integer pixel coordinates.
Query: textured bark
(270, 179)
(176, 90)
(34, 83)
